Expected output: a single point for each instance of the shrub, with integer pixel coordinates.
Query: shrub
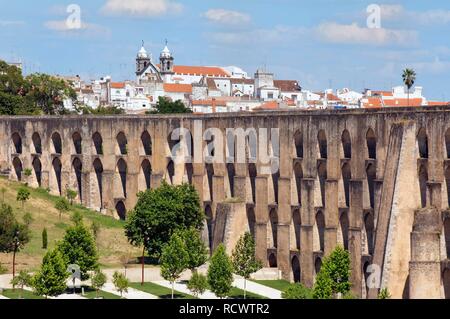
(198, 284)
(44, 238)
(297, 291)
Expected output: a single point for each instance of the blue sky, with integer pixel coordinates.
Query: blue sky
(321, 43)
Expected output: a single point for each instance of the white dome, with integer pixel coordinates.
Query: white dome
(165, 53)
(142, 53)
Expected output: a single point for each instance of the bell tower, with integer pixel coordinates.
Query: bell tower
(166, 61)
(143, 60)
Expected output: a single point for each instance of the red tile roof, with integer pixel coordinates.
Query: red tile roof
(272, 105)
(435, 103)
(403, 102)
(287, 85)
(208, 102)
(200, 71)
(177, 88)
(117, 85)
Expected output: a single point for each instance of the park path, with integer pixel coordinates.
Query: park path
(257, 288)
(182, 287)
(131, 294)
(3, 297)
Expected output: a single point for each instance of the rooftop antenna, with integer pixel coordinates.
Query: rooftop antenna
(167, 42)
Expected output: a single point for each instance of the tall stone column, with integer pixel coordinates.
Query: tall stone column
(425, 266)
(331, 215)
(107, 189)
(283, 227)
(308, 219)
(262, 217)
(354, 234)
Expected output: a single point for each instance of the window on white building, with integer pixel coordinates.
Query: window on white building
(270, 95)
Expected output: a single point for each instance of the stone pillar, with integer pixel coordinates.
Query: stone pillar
(425, 267)
(435, 194)
(107, 189)
(283, 227)
(308, 219)
(261, 216)
(354, 234)
(156, 180)
(240, 190)
(331, 215)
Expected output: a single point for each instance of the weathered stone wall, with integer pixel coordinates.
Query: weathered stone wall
(339, 180)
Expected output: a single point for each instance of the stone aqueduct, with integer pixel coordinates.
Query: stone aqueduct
(355, 178)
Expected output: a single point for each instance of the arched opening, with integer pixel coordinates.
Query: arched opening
(170, 171)
(56, 143)
(17, 143)
(76, 138)
(365, 277)
(122, 144)
(77, 171)
(422, 141)
(121, 210)
(346, 144)
(231, 173)
(146, 171)
(423, 179)
(369, 227)
(296, 224)
(371, 144)
(275, 178)
(252, 174)
(98, 184)
(251, 218)
(322, 140)
(446, 282)
(37, 145)
(319, 232)
(37, 169)
(295, 269)
(18, 168)
(447, 182)
(344, 224)
(209, 223)
(447, 143)
(322, 173)
(98, 143)
(273, 223)
(298, 143)
(57, 168)
(273, 260)
(447, 236)
(146, 144)
(210, 174)
(346, 177)
(317, 265)
(371, 173)
(189, 172)
(298, 174)
(122, 174)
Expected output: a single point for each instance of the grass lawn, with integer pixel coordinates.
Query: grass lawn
(90, 293)
(111, 242)
(281, 284)
(160, 291)
(17, 293)
(237, 293)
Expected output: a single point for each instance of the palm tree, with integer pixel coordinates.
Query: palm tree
(409, 77)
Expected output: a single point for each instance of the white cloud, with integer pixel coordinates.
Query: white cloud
(434, 67)
(354, 34)
(229, 17)
(391, 11)
(141, 8)
(397, 12)
(85, 28)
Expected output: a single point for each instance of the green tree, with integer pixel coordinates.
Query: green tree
(13, 235)
(27, 172)
(384, 294)
(334, 275)
(197, 251)
(78, 247)
(95, 228)
(120, 282)
(297, 291)
(98, 281)
(174, 259)
(23, 194)
(27, 219)
(71, 195)
(11, 79)
(159, 213)
(77, 218)
(197, 284)
(48, 93)
(51, 279)
(21, 280)
(44, 238)
(220, 273)
(244, 259)
(409, 78)
(166, 106)
(101, 110)
(62, 205)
